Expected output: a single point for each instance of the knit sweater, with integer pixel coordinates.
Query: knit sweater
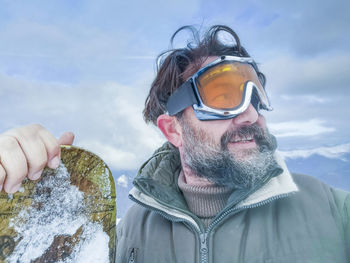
(205, 202)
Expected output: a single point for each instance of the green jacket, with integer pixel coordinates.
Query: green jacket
(289, 219)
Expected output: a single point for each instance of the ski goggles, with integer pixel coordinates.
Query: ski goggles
(222, 89)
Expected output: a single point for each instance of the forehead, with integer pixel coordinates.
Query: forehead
(194, 67)
(208, 60)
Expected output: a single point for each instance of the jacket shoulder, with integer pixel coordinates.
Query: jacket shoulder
(137, 219)
(338, 199)
(303, 180)
(309, 183)
(135, 214)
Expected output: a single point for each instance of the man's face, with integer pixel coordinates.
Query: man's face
(235, 152)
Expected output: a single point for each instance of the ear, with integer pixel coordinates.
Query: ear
(171, 129)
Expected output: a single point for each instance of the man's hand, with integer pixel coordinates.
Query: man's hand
(25, 151)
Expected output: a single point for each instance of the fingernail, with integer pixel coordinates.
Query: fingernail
(54, 163)
(36, 176)
(15, 188)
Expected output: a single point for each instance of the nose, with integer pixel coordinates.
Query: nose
(248, 117)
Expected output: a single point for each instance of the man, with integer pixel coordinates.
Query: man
(216, 191)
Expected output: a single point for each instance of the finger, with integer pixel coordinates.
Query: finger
(35, 153)
(66, 138)
(2, 176)
(52, 147)
(37, 145)
(13, 162)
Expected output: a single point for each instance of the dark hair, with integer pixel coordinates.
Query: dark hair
(177, 64)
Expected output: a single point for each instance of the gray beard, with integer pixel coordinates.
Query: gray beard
(241, 170)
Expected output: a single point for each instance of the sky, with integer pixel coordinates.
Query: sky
(86, 67)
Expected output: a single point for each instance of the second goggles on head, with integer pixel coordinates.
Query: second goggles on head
(222, 89)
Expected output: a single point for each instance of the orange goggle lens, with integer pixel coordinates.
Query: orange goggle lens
(222, 86)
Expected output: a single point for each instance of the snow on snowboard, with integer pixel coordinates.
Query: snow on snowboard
(69, 215)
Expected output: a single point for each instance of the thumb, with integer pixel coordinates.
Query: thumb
(66, 138)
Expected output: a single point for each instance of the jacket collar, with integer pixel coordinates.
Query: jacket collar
(280, 185)
(156, 183)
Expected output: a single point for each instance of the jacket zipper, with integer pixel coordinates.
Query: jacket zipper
(203, 236)
(132, 256)
(204, 248)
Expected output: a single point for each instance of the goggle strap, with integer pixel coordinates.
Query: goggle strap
(183, 97)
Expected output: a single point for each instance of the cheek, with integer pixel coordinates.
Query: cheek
(261, 121)
(213, 128)
(216, 129)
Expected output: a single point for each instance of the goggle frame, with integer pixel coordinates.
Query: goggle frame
(204, 112)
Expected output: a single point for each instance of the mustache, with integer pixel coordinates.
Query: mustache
(262, 137)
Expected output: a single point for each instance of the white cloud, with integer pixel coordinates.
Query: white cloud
(330, 152)
(306, 98)
(84, 52)
(299, 128)
(123, 181)
(308, 77)
(115, 158)
(106, 118)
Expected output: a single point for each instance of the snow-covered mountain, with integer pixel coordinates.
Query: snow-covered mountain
(333, 171)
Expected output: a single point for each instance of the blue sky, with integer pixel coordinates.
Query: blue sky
(86, 66)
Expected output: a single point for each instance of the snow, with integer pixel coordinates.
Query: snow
(123, 181)
(57, 209)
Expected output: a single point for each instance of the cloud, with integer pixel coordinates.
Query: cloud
(300, 128)
(321, 76)
(309, 88)
(123, 181)
(87, 66)
(334, 152)
(114, 157)
(312, 32)
(106, 117)
(272, 26)
(307, 98)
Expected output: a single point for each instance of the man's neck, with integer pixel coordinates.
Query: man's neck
(193, 179)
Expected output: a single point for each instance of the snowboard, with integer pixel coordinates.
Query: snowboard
(68, 215)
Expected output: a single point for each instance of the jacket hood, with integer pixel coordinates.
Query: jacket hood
(158, 176)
